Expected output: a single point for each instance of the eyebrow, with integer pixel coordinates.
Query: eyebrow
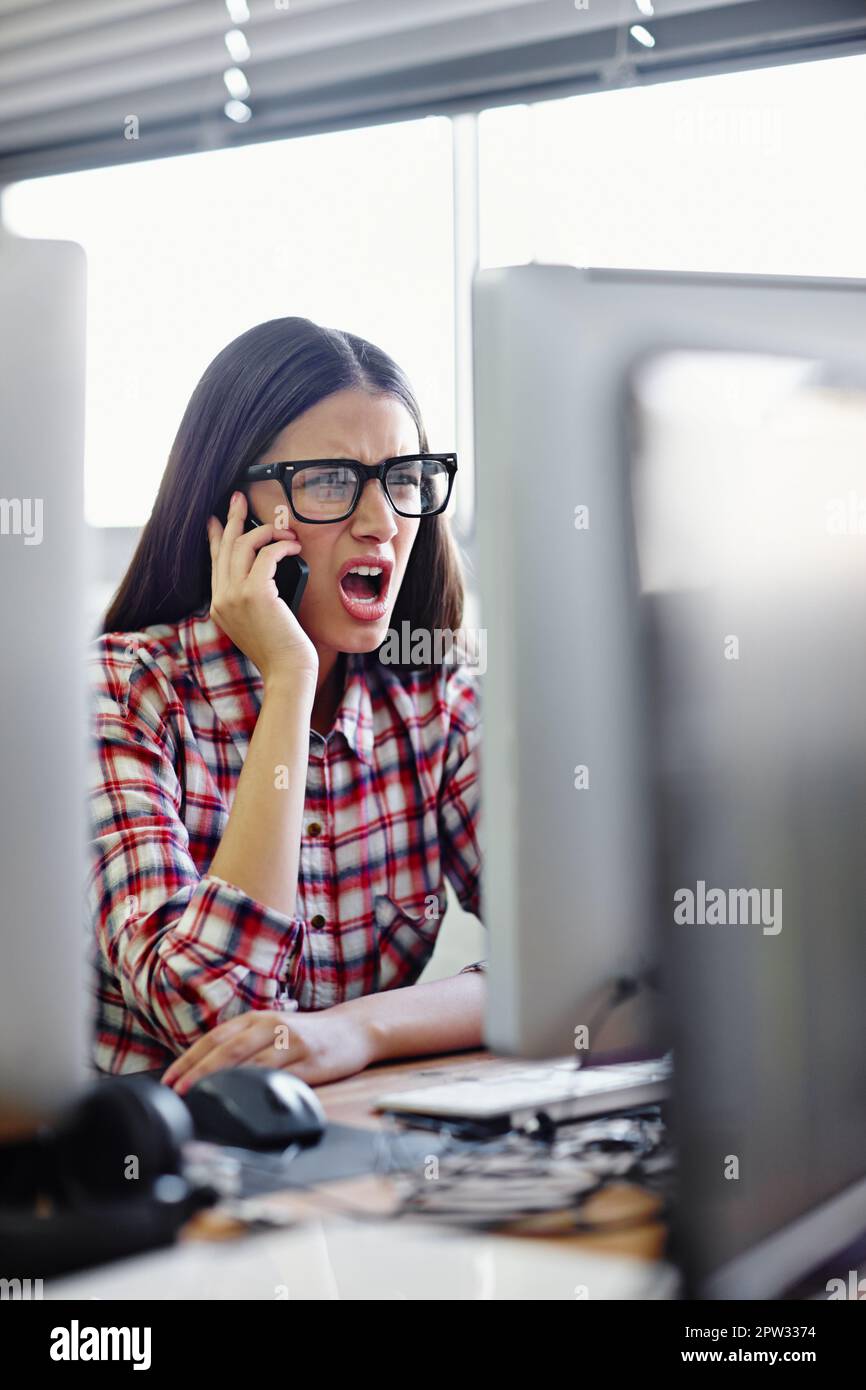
(349, 458)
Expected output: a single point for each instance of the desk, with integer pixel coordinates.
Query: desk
(331, 1256)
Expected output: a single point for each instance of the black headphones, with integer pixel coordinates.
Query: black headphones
(111, 1172)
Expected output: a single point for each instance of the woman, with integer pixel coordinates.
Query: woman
(274, 810)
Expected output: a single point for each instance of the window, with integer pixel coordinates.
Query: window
(751, 172)
(353, 229)
(755, 172)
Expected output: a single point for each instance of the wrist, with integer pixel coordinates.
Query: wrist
(362, 1015)
(293, 681)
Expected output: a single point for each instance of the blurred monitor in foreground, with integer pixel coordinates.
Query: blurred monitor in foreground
(745, 771)
(42, 709)
(751, 525)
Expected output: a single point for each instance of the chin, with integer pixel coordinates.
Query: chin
(361, 642)
(359, 637)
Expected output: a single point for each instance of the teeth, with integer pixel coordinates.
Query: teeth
(365, 569)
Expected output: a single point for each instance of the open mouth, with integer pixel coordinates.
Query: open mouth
(364, 590)
(364, 583)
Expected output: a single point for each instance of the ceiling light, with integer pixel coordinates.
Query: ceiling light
(236, 83)
(237, 111)
(236, 43)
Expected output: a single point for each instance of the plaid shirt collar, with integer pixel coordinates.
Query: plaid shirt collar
(233, 686)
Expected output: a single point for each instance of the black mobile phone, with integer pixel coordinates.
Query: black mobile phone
(291, 575)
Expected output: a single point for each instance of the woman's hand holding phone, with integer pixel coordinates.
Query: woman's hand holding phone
(245, 601)
(260, 848)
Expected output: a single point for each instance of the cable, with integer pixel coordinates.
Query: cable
(534, 1177)
(493, 1182)
(623, 988)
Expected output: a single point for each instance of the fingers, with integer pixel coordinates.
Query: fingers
(218, 550)
(233, 530)
(265, 564)
(234, 551)
(214, 536)
(236, 1043)
(294, 1056)
(235, 1052)
(198, 1051)
(237, 515)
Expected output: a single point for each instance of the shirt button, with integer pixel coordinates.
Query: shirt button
(314, 828)
(317, 921)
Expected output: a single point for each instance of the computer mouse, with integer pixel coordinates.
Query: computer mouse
(255, 1108)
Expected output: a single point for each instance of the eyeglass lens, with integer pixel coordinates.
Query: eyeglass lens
(329, 491)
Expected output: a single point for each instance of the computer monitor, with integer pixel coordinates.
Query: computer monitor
(751, 526)
(573, 839)
(42, 701)
(563, 791)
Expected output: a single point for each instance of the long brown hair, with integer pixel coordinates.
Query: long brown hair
(254, 388)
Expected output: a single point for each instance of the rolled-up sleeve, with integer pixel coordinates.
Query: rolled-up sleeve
(459, 798)
(187, 949)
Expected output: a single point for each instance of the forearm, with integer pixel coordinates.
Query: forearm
(260, 849)
(443, 1016)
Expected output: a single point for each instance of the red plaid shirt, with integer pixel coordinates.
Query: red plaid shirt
(391, 811)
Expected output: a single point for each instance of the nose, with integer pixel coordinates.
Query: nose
(374, 515)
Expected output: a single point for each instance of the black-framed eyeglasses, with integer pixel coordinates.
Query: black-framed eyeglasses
(323, 490)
